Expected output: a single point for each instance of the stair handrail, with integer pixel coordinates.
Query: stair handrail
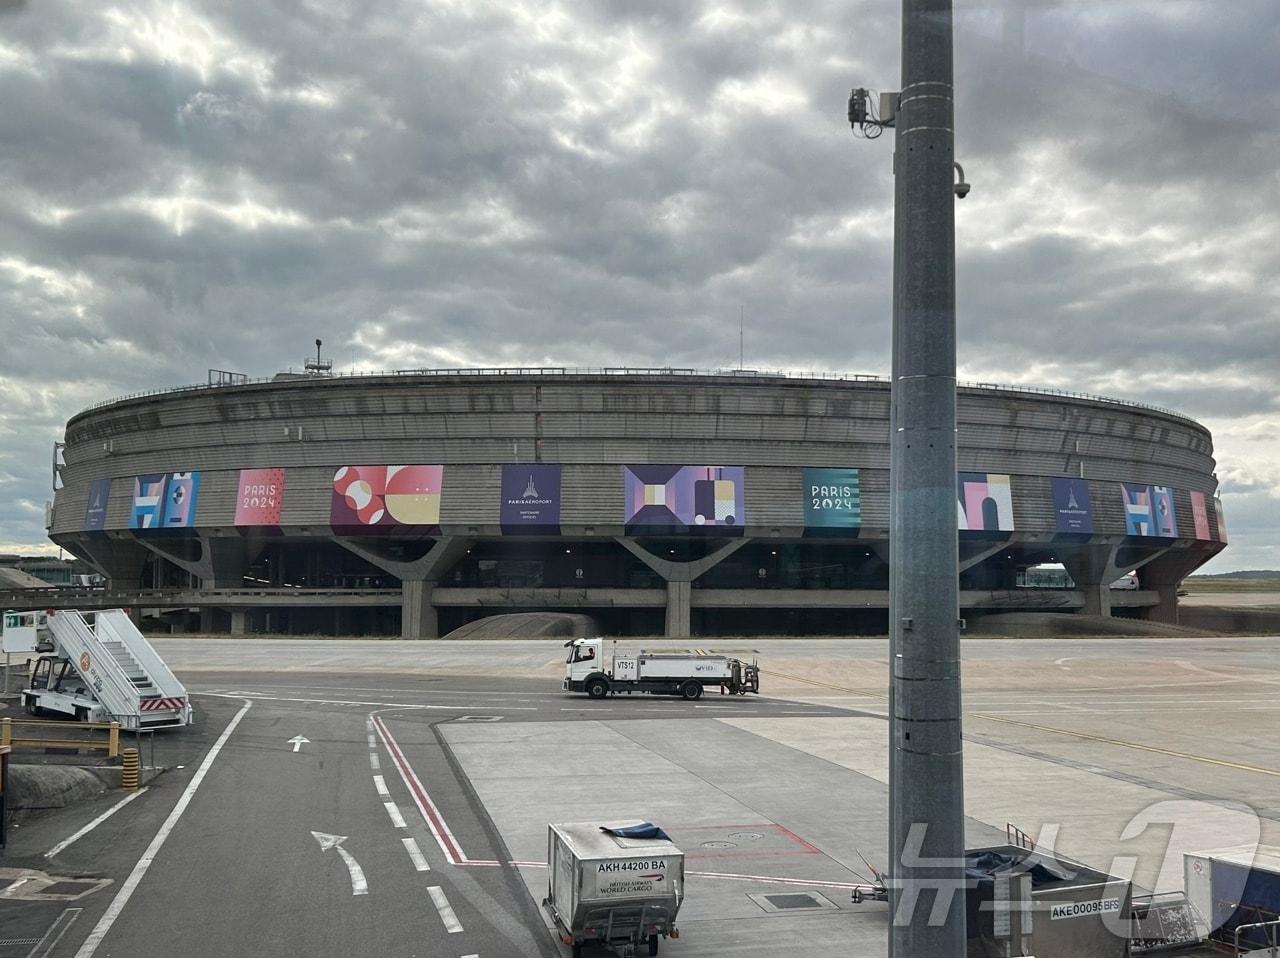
(121, 627)
(87, 641)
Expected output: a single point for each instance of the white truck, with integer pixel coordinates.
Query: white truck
(618, 885)
(661, 673)
(96, 667)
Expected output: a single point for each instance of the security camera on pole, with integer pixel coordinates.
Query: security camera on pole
(926, 775)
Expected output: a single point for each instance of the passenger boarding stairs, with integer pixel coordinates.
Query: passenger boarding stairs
(120, 666)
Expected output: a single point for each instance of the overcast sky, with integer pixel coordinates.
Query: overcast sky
(186, 185)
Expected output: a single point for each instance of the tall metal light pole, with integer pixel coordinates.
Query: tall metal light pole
(926, 775)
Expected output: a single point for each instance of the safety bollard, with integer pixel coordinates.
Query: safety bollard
(129, 770)
(113, 740)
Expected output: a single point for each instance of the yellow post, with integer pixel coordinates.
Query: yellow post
(6, 732)
(113, 740)
(129, 770)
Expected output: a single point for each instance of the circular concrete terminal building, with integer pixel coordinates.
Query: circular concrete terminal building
(657, 501)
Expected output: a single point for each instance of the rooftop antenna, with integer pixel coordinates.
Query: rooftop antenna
(318, 366)
(742, 311)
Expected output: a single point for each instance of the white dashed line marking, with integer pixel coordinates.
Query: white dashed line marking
(451, 923)
(381, 785)
(373, 761)
(415, 855)
(393, 810)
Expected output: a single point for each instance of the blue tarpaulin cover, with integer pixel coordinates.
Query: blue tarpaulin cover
(638, 830)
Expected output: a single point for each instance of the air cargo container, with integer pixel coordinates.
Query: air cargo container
(1236, 892)
(660, 673)
(611, 885)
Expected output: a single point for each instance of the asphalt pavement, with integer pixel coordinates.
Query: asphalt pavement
(309, 814)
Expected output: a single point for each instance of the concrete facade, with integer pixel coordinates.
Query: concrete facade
(769, 573)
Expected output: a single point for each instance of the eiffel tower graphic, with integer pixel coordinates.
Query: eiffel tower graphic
(1071, 499)
(530, 491)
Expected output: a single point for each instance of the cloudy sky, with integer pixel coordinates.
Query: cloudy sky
(215, 183)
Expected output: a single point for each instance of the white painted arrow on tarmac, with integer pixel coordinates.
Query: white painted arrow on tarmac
(297, 742)
(358, 885)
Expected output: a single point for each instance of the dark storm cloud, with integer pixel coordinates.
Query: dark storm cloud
(196, 185)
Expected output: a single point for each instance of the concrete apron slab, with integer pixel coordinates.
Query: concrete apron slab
(738, 803)
(1107, 823)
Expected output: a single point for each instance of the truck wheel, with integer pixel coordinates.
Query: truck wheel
(32, 708)
(653, 945)
(597, 688)
(691, 690)
(82, 715)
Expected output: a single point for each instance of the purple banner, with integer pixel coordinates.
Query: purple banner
(685, 498)
(530, 497)
(1072, 506)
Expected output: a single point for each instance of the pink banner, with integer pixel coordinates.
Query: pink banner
(259, 497)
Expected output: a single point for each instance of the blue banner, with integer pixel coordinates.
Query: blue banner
(1072, 507)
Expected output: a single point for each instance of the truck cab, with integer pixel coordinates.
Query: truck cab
(586, 658)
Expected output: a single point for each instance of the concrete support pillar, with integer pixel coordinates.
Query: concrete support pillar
(206, 619)
(217, 563)
(239, 621)
(418, 578)
(120, 560)
(679, 608)
(1163, 574)
(680, 577)
(1093, 568)
(418, 616)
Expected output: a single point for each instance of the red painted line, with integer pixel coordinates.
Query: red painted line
(430, 814)
(809, 847)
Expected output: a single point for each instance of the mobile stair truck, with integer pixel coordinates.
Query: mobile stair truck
(97, 667)
(618, 885)
(662, 673)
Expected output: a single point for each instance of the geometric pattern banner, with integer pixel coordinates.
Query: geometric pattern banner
(165, 500)
(685, 498)
(1148, 511)
(984, 502)
(1072, 505)
(367, 497)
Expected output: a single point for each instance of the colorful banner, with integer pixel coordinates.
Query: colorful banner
(1148, 511)
(259, 497)
(1222, 520)
(95, 510)
(984, 502)
(1200, 515)
(832, 499)
(685, 498)
(1072, 506)
(165, 500)
(365, 496)
(530, 497)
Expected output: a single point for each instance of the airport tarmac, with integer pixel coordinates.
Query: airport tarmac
(454, 756)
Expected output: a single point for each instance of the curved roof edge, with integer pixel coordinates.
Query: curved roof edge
(294, 377)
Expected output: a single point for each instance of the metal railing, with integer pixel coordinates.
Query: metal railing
(8, 725)
(1270, 934)
(673, 371)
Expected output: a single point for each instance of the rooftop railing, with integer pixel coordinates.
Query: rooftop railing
(664, 371)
